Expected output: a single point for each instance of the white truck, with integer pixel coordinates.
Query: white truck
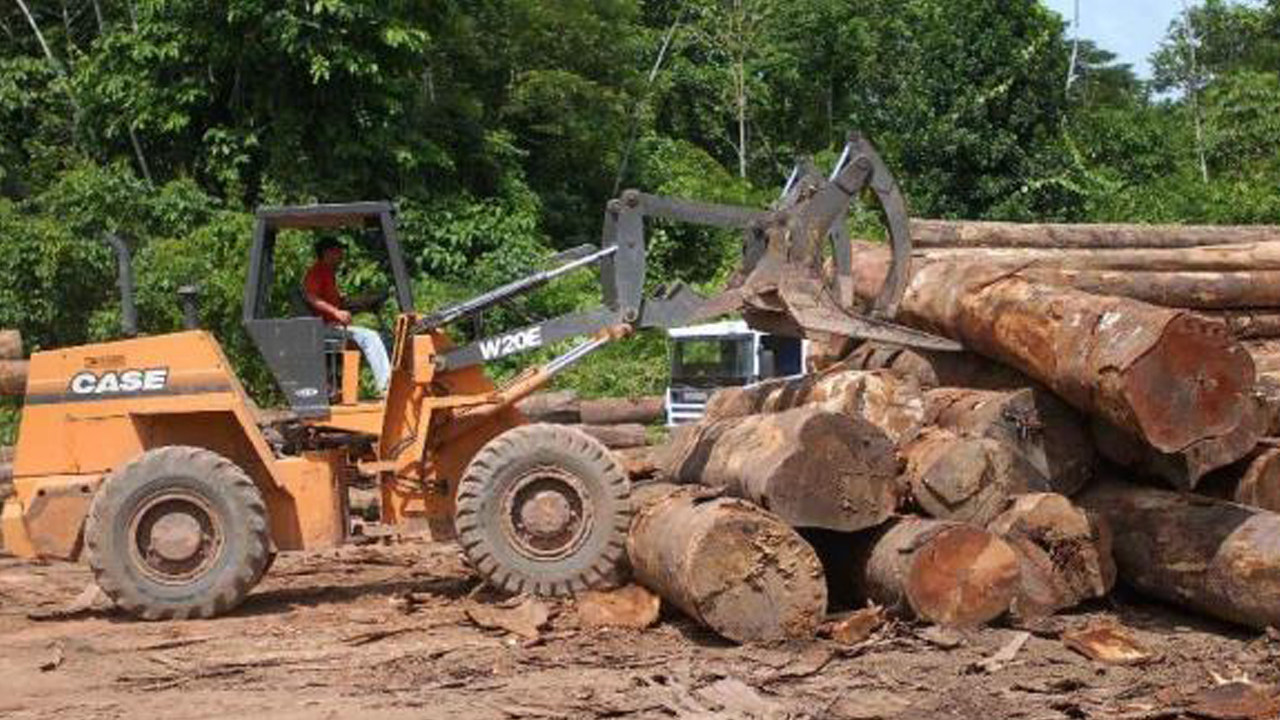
(707, 357)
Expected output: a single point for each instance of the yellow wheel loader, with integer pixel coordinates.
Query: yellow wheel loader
(146, 457)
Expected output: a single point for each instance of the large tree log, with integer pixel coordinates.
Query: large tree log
(1254, 481)
(883, 399)
(623, 411)
(966, 479)
(1199, 290)
(730, 565)
(946, 573)
(560, 406)
(10, 345)
(1215, 557)
(1184, 469)
(1049, 434)
(1223, 258)
(1064, 554)
(618, 437)
(811, 467)
(970, 234)
(13, 377)
(1170, 377)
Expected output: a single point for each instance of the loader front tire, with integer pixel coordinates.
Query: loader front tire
(180, 532)
(544, 509)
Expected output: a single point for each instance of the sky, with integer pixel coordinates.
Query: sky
(1131, 29)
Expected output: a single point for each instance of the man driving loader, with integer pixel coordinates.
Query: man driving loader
(320, 288)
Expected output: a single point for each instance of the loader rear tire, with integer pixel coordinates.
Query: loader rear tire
(180, 532)
(544, 509)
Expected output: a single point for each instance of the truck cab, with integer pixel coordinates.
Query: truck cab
(705, 358)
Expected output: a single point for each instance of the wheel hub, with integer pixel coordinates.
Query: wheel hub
(176, 537)
(547, 514)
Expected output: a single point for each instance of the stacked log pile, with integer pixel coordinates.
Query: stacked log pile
(1082, 439)
(619, 423)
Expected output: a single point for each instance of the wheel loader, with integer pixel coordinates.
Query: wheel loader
(146, 457)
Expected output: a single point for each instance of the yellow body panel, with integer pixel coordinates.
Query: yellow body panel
(92, 409)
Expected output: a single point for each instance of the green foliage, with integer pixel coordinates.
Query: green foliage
(500, 128)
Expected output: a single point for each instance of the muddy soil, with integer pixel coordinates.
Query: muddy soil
(383, 632)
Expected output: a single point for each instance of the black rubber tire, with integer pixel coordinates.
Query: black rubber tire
(230, 495)
(498, 468)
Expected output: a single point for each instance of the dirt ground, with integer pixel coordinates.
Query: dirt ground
(383, 632)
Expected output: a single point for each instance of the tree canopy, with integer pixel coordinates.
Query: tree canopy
(501, 128)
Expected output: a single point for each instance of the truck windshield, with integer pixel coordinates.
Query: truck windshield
(711, 361)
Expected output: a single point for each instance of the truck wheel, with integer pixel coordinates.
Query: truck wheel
(179, 532)
(544, 509)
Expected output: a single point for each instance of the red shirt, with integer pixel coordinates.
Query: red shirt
(322, 283)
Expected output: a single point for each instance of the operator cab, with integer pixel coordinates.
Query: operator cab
(300, 350)
(705, 358)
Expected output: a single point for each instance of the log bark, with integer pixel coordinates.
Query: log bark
(932, 369)
(1254, 481)
(1198, 290)
(970, 234)
(1265, 354)
(966, 479)
(1211, 556)
(1251, 324)
(729, 565)
(1207, 291)
(946, 573)
(1064, 554)
(13, 377)
(618, 437)
(561, 407)
(623, 411)
(1039, 427)
(883, 399)
(1183, 470)
(1267, 391)
(640, 463)
(10, 345)
(1221, 258)
(1168, 376)
(811, 467)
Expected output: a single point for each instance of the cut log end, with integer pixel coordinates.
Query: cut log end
(1192, 388)
(962, 577)
(734, 567)
(1064, 554)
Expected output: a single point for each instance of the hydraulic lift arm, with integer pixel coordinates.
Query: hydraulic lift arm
(787, 283)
